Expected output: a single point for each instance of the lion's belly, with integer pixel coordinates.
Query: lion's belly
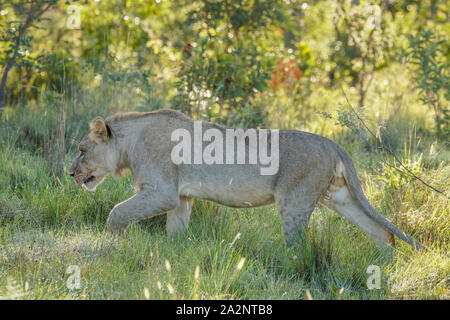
(228, 195)
(229, 188)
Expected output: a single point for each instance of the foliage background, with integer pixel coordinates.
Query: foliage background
(248, 63)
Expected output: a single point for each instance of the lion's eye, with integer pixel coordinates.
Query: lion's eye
(81, 154)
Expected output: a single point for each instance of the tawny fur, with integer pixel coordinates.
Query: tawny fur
(311, 169)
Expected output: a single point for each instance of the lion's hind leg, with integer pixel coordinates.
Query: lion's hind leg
(295, 208)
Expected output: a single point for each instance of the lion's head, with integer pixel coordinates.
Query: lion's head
(90, 166)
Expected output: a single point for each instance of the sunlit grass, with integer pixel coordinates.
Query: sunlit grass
(46, 227)
(48, 224)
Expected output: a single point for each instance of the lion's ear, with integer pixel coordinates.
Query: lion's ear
(99, 129)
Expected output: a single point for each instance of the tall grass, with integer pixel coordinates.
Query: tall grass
(47, 223)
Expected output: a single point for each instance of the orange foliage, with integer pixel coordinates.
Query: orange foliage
(286, 74)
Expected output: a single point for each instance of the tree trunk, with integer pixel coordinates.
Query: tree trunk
(3, 85)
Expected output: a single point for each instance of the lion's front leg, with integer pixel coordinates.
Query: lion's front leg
(178, 219)
(144, 204)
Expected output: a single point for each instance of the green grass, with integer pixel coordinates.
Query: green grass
(48, 223)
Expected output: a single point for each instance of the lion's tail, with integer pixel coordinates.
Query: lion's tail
(351, 179)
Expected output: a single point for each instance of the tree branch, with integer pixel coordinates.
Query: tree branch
(406, 170)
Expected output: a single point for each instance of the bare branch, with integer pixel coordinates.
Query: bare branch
(405, 170)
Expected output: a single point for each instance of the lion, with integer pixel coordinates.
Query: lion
(311, 169)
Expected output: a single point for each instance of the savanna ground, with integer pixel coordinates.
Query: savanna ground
(48, 224)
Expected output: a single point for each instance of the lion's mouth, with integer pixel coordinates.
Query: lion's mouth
(79, 181)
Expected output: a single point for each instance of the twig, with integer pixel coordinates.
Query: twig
(408, 172)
